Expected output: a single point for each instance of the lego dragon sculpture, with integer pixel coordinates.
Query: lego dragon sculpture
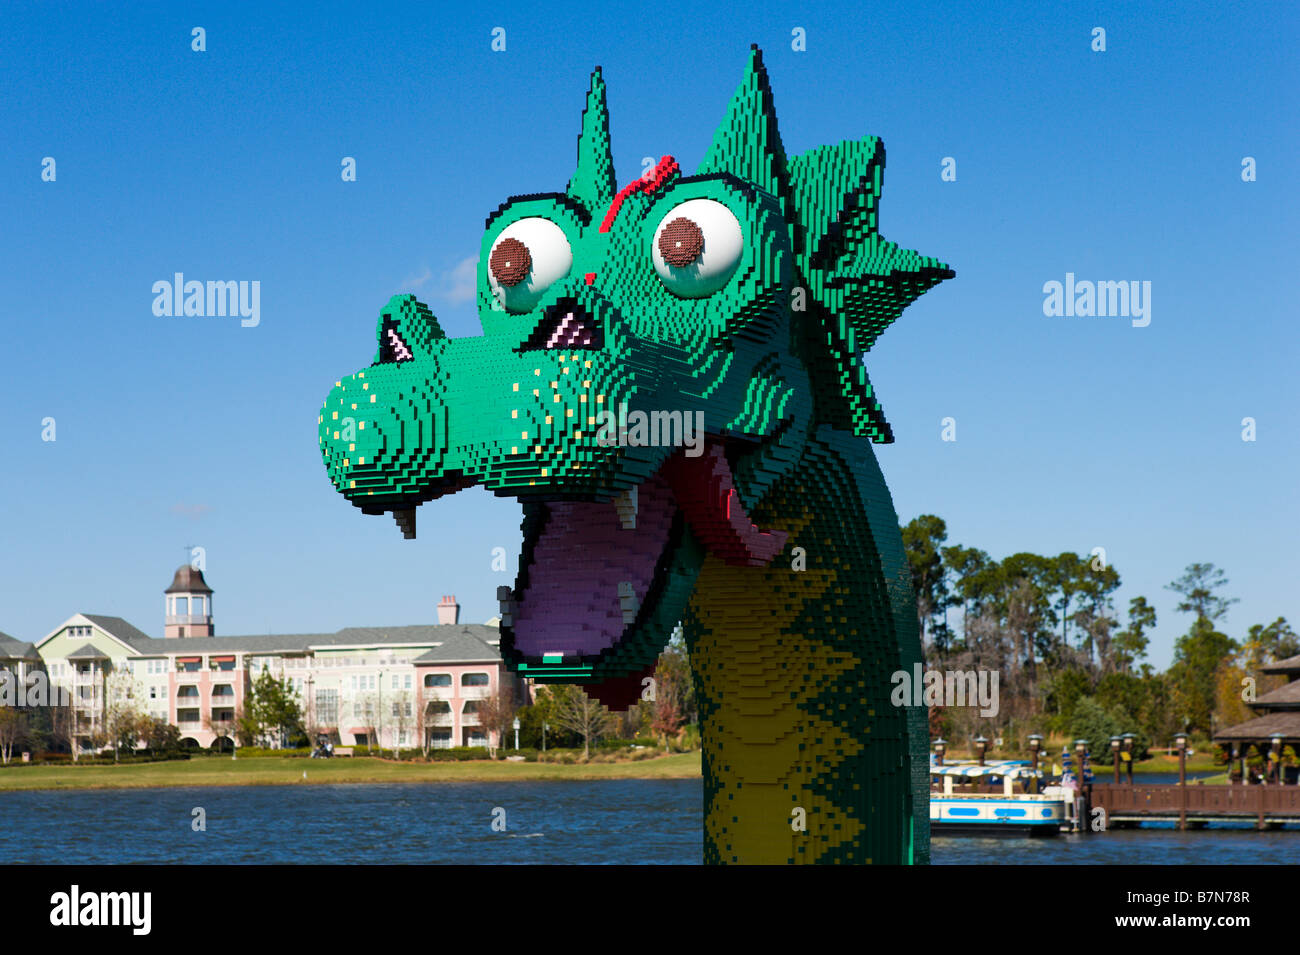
(741, 299)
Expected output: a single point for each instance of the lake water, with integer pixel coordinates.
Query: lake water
(601, 822)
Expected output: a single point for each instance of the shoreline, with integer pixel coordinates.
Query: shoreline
(280, 771)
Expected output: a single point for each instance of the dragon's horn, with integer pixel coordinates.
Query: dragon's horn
(748, 143)
(593, 181)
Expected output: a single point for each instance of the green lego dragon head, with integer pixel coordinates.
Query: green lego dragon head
(653, 358)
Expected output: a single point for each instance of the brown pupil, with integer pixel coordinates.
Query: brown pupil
(681, 242)
(510, 262)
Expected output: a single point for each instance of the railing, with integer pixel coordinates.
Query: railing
(469, 719)
(1198, 800)
(475, 692)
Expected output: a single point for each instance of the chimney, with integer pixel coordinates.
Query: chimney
(448, 611)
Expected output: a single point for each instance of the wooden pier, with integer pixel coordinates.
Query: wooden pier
(1193, 806)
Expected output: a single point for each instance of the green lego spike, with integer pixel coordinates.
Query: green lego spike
(593, 181)
(670, 382)
(748, 144)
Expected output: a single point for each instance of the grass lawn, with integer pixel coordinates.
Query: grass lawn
(271, 770)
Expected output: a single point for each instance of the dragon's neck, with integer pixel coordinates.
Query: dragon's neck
(792, 670)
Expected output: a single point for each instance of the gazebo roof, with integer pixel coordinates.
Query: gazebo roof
(1285, 722)
(1289, 665)
(1287, 696)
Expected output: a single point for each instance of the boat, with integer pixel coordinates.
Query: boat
(999, 797)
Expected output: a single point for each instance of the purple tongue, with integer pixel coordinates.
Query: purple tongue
(572, 602)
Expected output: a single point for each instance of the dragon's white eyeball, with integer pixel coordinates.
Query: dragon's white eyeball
(696, 247)
(527, 258)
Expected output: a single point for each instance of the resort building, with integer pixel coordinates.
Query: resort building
(381, 686)
(1277, 724)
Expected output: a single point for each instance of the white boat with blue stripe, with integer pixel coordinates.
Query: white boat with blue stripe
(1000, 797)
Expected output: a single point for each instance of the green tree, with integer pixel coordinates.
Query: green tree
(1271, 643)
(1131, 642)
(974, 576)
(1097, 724)
(923, 538)
(1197, 587)
(1194, 674)
(161, 736)
(272, 710)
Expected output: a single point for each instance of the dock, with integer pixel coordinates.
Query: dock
(1195, 806)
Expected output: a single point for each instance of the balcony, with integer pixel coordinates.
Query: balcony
(475, 692)
(188, 676)
(439, 719)
(469, 719)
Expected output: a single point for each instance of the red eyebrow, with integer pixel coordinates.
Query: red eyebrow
(663, 172)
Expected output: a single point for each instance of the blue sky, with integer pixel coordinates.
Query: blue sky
(1072, 433)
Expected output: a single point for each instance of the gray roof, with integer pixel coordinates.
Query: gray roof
(1289, 665)
(11, 648)
(1261, 728)
(1285, 697)
(119, 628)
(459, 642)
(88, 652)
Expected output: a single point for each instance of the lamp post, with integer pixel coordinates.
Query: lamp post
(1180, 740)
(516, 724)
(940, 747)
(981, 744)
(1035, 744)
(1130, 740)
(1115, 743)
(1080, 753)
(544, 728)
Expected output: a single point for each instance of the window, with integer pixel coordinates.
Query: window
(407, 682)
(327, 707)
(437, 679)
(470, 707)
(474, 679)
(397, 682)
(153, 692)
(182, 606)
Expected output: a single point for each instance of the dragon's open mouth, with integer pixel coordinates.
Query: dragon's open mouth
(602, 583)
(567, 325)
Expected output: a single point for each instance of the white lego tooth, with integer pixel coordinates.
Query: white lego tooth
(626, 505)
(627, 600)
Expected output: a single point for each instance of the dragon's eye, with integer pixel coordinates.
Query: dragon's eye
(697, 247)
(527, 258)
